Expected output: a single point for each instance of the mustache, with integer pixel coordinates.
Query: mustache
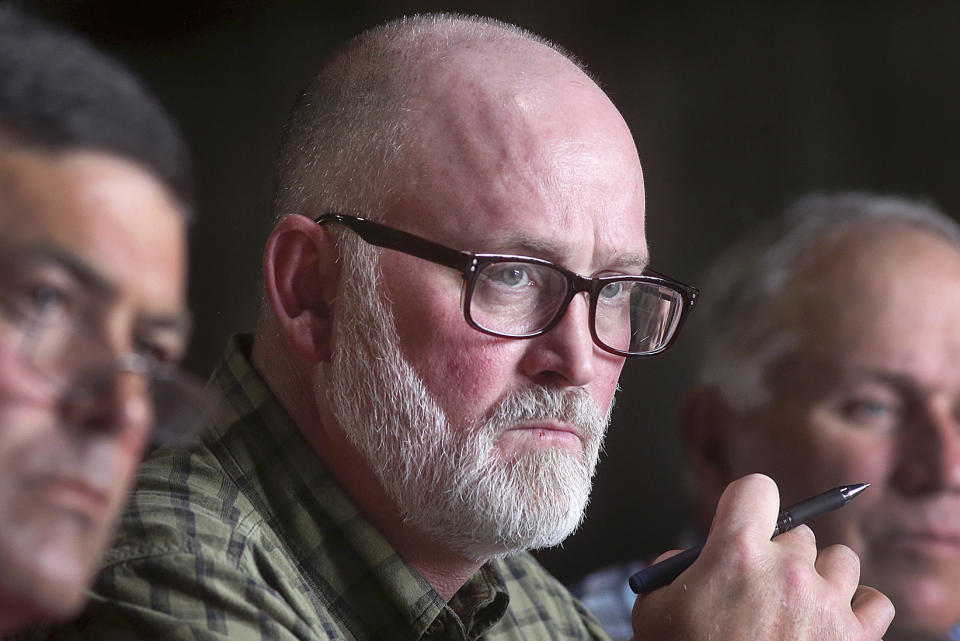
(574, 406)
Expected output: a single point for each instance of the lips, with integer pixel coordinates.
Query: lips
(557, 428)
(547, 433)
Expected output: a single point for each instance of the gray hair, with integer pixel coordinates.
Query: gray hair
(348, 129)
(745, 279)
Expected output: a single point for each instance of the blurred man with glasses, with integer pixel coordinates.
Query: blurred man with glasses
(458, 271)
(94, 201)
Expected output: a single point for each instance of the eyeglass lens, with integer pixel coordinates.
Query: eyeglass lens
(83, 367)
(518, 298)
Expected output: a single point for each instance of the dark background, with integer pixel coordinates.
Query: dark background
(736, 109)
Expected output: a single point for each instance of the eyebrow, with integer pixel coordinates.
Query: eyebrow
(78, 268)
(535, 247)
(893, 379)
(180, 322)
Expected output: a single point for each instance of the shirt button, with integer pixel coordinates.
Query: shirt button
(436, 628)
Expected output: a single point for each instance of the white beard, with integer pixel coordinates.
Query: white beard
(449, 482)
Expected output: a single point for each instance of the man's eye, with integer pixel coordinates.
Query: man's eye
(612, 290)
(41, 303)
(873, 413)
(512, 276)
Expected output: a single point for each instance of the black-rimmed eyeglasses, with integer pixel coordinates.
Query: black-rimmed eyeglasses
(522, 297)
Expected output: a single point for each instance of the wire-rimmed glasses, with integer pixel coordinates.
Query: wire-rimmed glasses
(523, 297)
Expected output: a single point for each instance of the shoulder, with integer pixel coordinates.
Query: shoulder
(183, 503)
(191, 524)
(194, 559)
(540, 606)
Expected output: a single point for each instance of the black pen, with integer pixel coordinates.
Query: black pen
(660, 574)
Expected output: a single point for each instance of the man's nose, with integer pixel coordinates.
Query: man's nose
(930, 453)
(565, 353)
(112, 401)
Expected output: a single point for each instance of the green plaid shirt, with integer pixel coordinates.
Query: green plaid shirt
(249, 537)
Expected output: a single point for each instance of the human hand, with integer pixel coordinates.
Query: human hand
(747, 586)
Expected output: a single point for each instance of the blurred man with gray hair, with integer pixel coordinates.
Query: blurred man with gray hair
(830, 344)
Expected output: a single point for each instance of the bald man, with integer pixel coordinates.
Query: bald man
(458, 270)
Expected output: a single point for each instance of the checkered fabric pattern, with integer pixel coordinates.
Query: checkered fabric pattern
(248, 537)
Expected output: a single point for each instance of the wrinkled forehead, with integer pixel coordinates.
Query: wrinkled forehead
(526, 144)
(870, 270)
(510, 103)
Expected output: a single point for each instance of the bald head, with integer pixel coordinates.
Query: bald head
(395, 89)
(467, 131)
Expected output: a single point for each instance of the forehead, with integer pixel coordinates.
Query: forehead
(883, 298)
(101, 210)
(514, 150)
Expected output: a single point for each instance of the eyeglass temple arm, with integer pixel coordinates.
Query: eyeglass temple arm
(389, 238)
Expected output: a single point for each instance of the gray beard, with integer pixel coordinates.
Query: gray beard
(449, 483)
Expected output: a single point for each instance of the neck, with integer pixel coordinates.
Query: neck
(444, 570)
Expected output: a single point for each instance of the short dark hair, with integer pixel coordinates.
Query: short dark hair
(58, 93)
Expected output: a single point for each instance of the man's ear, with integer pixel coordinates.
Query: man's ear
(301, 274)
(706, 427)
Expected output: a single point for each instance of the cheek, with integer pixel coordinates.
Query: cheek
(26, 435)
(464, 370)
(129, 453)
(841, 458)
(20, 384)
(603, 387)
(119, 494)
(806, 454)
(850, 455)
(847, 525)
(12, 455)
(469, 375)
